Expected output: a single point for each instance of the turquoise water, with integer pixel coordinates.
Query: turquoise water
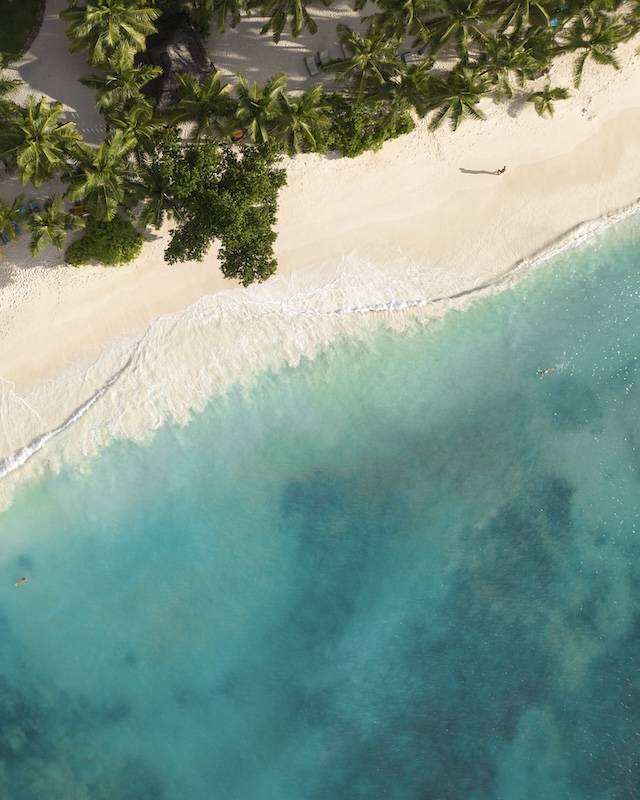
(406, 570)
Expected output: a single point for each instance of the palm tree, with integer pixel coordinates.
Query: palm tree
(519, 15)
(258, 109)
(8, 108)
(11, 215)
(50, 225)
(597, 38)
(504, 56)
(105, 177)
(401, 17)
(302, 119)
(280, 11)
(121, 82)
(411, 87)
(463, 21)
(204, 103)
(150, 188)
(540, 44)
(38, 143)
(139, 124)
(103, 26)
(457, 95)
(544, 100)
(374, 56)
(222, 9)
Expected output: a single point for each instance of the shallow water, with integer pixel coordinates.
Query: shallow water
(405, 569)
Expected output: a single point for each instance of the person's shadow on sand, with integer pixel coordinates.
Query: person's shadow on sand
(477, 171)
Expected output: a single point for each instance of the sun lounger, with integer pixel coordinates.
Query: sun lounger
(411, 58)
(34, 207)
(323, 57)
(17, 228)
(311, 65)
(4, 238)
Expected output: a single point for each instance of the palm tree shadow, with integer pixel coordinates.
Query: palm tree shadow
(477, 171)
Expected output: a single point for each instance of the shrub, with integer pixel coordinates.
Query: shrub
(358, 127)
(110, 243)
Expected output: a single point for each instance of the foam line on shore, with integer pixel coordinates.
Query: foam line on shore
(20, 458)
(172, 377)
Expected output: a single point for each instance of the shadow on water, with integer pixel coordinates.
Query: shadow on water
(36, 735)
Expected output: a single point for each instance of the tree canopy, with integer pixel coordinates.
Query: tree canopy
(220, 193)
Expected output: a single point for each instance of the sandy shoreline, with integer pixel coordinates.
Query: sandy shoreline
(422, 213)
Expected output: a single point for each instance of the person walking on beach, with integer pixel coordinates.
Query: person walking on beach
(500, 171)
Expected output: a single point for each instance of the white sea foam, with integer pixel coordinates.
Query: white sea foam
(183, 360)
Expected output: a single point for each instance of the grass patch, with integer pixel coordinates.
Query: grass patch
(18, 21)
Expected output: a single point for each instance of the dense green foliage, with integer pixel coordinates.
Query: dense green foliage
(358, 127)
(434, 59)
(112, 243)
(218, 193)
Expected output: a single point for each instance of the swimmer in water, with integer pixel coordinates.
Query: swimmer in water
(21, 581)
(542, 372)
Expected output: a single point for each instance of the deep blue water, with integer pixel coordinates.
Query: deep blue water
(406, 570)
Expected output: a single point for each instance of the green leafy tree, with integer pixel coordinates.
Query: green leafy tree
(208, 104)
(360, 126)
(218, 193)
(111, 242)
(121, 82)
(259, 109)
(302, 119)
(50, 226)
(104, 26)
(544, 100)
(456, 96)
(38, 143)
(105, 178)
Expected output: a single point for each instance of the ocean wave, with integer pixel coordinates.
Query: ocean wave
(183, 360)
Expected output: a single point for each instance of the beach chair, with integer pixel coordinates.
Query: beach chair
(4, 239)
(323, 57)
(16, 227)
(411, 58)
(34, 207)
(311, 65)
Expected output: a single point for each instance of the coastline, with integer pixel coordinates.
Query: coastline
(374, 240)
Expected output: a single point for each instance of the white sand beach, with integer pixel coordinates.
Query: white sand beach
(420, 221)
